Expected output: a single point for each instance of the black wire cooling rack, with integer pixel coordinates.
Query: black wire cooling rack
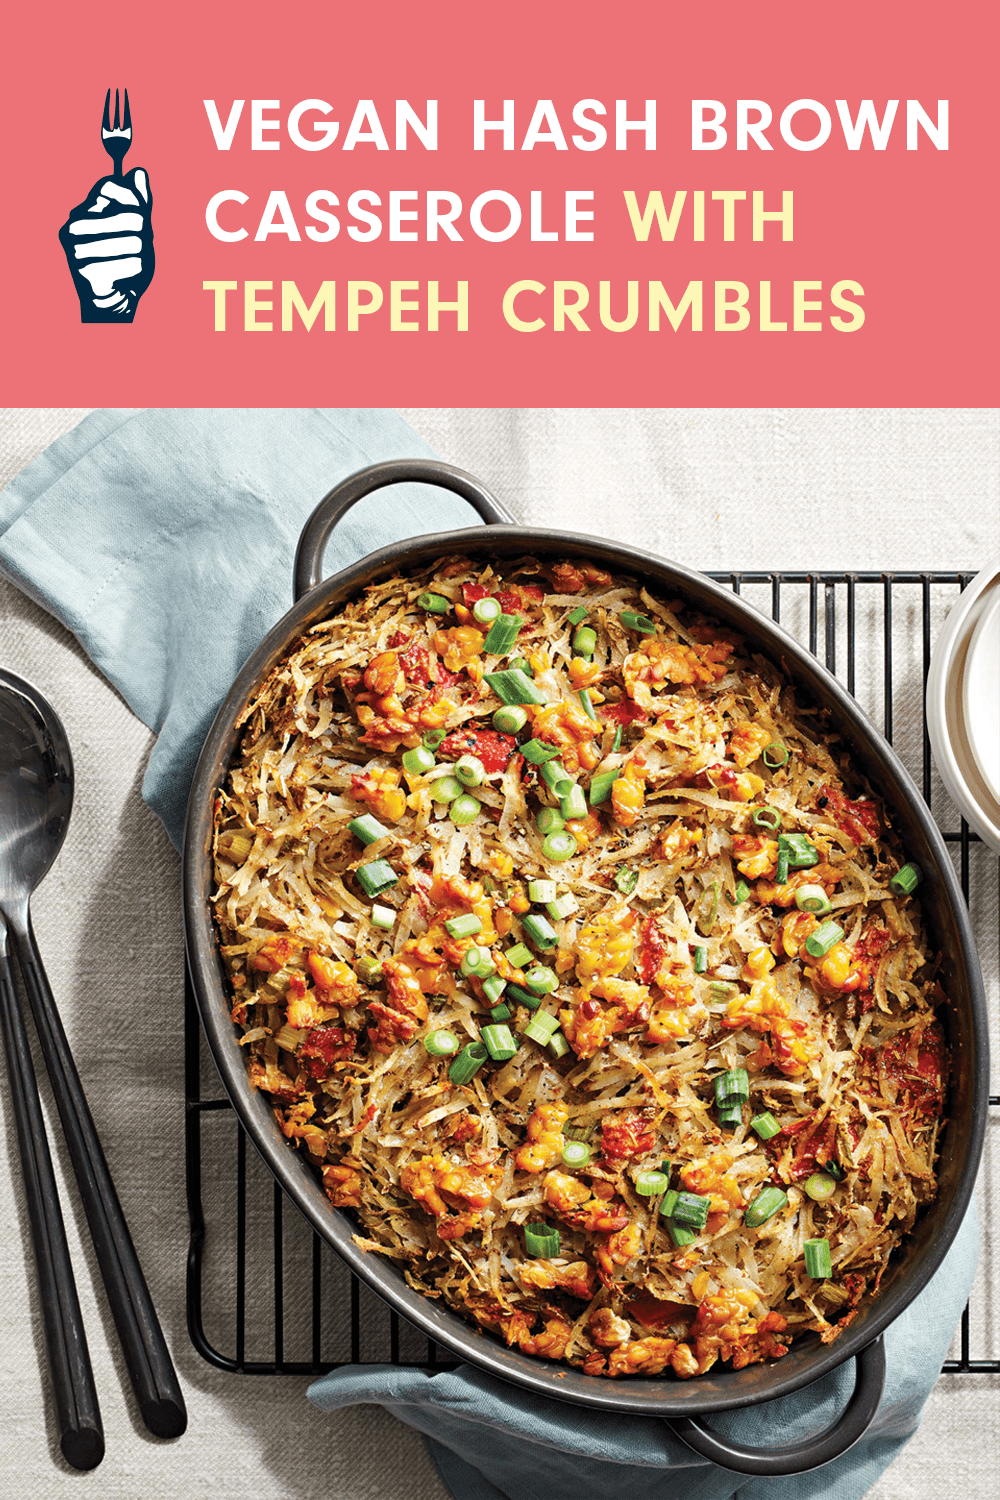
(267, 1296)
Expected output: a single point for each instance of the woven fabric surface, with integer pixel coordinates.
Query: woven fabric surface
(753, 489)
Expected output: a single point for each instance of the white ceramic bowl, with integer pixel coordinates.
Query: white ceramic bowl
(963, 704)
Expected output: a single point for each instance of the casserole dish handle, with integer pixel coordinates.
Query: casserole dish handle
(810, 1453)
(319, 527)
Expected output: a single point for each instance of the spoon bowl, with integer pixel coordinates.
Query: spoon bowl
(36, 786)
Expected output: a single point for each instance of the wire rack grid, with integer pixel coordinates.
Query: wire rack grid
(267, 1296)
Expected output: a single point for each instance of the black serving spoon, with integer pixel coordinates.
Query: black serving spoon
(36, 795)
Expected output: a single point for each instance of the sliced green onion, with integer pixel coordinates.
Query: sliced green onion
(576, 1153)
(542, 1027)
(732, 1086)
(503, 633)
(578, 1132)
(464, 926)
(541, 981)
(563, 908)
(368, 829)
(680, 1235)
(649, 1184)
(416, 762)
(550, 820)
(642, 623)
(721, 989)
(812, 898)
(730, 1115)
(433, 738)
(741, 893)
(493, 988)
(523, 997)
(700, 960)
(539, 751)
(906, 880)
(627, 879)
(820, 1186)
(691, 1209)
(499, 1012)
(539, 930)
(588, 706)
(500, 1044)
(441, 1043)
(600, 786)
(521, 664)
(705, 921)
(435, 604)
(823, 939)
(510, 720)
(584, 640)
(376, 877)
(576, 615)
(541, 891)
(446, 789)
(766, 817)
(775, 755)
(468, 1062)
(765, 1125)
(519, 955)
(559, 846)
(541, 1241)
(818, 1262)
(616, 743)
(486, 610)
(470, 770)
(781, 868)
(472, 959)
(667, 1167)
(574, 804)
(383, 917)
(764, 1207)
(514, 686)
(368, 969)
(802, 852)
(669, 1203)
(464, 810)
(835, 1170)
(556, 776)
(557, 1044)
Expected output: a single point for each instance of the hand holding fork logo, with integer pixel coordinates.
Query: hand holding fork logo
(108, 238)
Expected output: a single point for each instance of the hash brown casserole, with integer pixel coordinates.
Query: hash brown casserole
(568, 948)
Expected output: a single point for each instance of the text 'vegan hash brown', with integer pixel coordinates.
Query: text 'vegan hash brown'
(683, 959)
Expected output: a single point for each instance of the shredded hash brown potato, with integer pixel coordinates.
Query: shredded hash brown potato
(683, 957)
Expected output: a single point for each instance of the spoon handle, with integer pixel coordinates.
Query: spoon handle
(81, 1436)
(154, 1379)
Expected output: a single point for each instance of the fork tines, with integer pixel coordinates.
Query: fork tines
(122, 126)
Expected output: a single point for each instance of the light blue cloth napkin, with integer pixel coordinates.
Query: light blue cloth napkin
(164, 540)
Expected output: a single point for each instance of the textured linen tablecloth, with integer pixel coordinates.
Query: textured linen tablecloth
(746, 489)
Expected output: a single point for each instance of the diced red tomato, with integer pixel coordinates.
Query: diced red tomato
(322, 1048)
(652, 951)
(814, 1151)
(491, 747)
(625, 1134)
(858, 819)
(473, 592)
(625, 712)
(922, 1076)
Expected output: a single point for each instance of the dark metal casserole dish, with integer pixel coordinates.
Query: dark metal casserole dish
(944, 911)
